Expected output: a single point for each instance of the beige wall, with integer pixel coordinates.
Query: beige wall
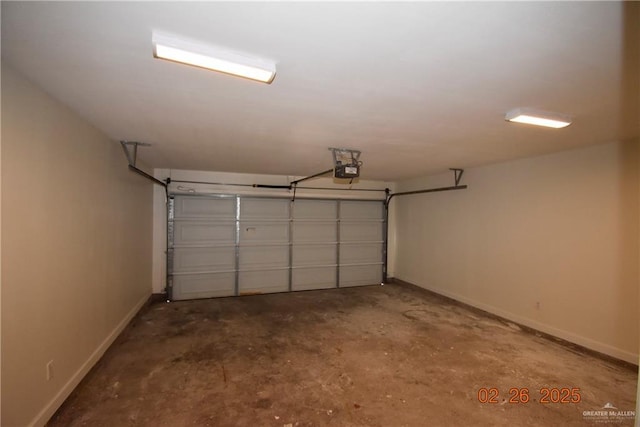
(637, 423)
(551, 242)
(76, 248)
(0, 247)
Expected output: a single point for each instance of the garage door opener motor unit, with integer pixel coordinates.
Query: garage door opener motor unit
(346, 163)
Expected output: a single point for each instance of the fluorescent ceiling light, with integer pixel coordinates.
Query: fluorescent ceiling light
(212, 58)
(538, 118)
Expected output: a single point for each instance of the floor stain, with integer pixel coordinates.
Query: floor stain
(371, 356)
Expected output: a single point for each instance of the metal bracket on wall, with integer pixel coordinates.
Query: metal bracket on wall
(130, 149)
(457, 175)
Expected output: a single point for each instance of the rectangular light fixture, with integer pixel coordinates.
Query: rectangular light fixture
(212, 58)
(538, 118)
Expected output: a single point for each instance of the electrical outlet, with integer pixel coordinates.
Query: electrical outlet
(49, 370)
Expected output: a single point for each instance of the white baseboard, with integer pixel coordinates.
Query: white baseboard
(47, 412)
(548, 329)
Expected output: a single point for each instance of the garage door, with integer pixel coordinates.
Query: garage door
(236, 245)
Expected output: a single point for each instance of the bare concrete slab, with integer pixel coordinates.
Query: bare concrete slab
(391, 355)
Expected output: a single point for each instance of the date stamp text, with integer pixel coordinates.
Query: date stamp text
(518, 395)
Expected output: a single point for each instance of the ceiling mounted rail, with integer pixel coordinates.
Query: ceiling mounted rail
(275, 186)
(457, 177)
(131, 152)
(319, 174)
(294, 184)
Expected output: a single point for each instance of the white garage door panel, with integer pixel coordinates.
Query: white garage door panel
(314, 231)
(265, 232)
(203, 233)
(304, 279)
(360, 253)
(261, 257)
(234, 245)
(315, 209)
(360, 275)
(203, 207)
(311, 255)
(361, 210)
(361, 231)
(264, 282)
(204, 259)
(264, 208)
(193, 286)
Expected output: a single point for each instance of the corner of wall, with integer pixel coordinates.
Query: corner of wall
(563, 225)
(52, 406)
(88, 248)
(159, 251)
(0, 233)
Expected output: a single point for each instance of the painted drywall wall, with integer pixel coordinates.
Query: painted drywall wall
(630, 102)
(0, 240)
(637, 423)
(76, 249)
(323, 187)
(550, 242)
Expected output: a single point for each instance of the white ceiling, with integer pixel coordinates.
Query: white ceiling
(418, 87)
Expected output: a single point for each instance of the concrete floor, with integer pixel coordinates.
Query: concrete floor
(391, 355)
